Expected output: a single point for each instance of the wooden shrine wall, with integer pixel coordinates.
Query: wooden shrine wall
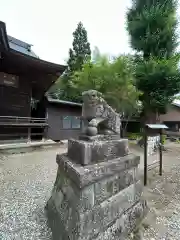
(15, 95)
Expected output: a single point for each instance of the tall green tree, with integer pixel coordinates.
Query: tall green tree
(152, 26)
(112, 78)
(79, 54)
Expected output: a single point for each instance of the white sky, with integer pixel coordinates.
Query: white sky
(48, 24)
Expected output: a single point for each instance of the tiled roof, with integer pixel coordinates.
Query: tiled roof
(21, 46)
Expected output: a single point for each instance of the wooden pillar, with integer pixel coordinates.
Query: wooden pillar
(45, 133)
(29, 134)
(145, 157)
(160, 153)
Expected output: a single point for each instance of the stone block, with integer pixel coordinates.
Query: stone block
(81, 209)
(110, 186)
(99, 137)
(117, 230)
(103, 215)
(81, 199)
(57, 197)
(83, 176)
(88, 152)
(57, 225)
(100, 201)
(124, 225)
(66, 190)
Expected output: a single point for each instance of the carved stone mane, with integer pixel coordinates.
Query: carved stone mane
(97, 113)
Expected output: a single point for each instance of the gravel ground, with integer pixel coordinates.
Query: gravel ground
(163, 196)
(27, 180)
(26, 183)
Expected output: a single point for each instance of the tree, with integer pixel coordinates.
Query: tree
(79, 54)
(81, 48)
(152, 27)
(113, 79)
(96, 55)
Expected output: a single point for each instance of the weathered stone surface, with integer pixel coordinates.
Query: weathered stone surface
(88, 152)
(92, 194)
(79, 221)
(100, 137)
(109, 210)
(97, 194)
(125, 224)
(55, 222)
(82, 176)
(110, 186)
(118, 230)
(95, 108)
(79, 201)
(66, 190)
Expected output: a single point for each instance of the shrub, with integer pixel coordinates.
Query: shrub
(163, 139)
(133, 136)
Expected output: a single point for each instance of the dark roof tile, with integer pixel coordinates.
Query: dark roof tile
(21, 46)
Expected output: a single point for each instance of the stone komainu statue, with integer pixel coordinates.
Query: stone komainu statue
(98, 116)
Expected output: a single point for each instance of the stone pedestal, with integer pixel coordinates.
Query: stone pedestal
(96, 149)
(98, 201)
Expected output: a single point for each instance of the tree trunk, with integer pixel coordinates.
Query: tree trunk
(124, 129)
(148, 118)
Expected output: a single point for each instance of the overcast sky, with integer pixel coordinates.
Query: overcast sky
(48, 24)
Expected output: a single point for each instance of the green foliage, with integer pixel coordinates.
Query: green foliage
(113, 78)
(65, 91)
(178, 141)
(81, 51)
(159, 80)
(152, 28)
(55, 92)
(78, 55)
(164, 139)
(133, 136)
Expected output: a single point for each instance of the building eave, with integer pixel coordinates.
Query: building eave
(48, 67)
(4, 43)
(57, 101)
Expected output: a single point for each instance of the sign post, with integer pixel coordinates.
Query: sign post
(153, 128)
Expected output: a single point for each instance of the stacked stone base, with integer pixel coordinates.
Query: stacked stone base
(118, 230)
(96, 202)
